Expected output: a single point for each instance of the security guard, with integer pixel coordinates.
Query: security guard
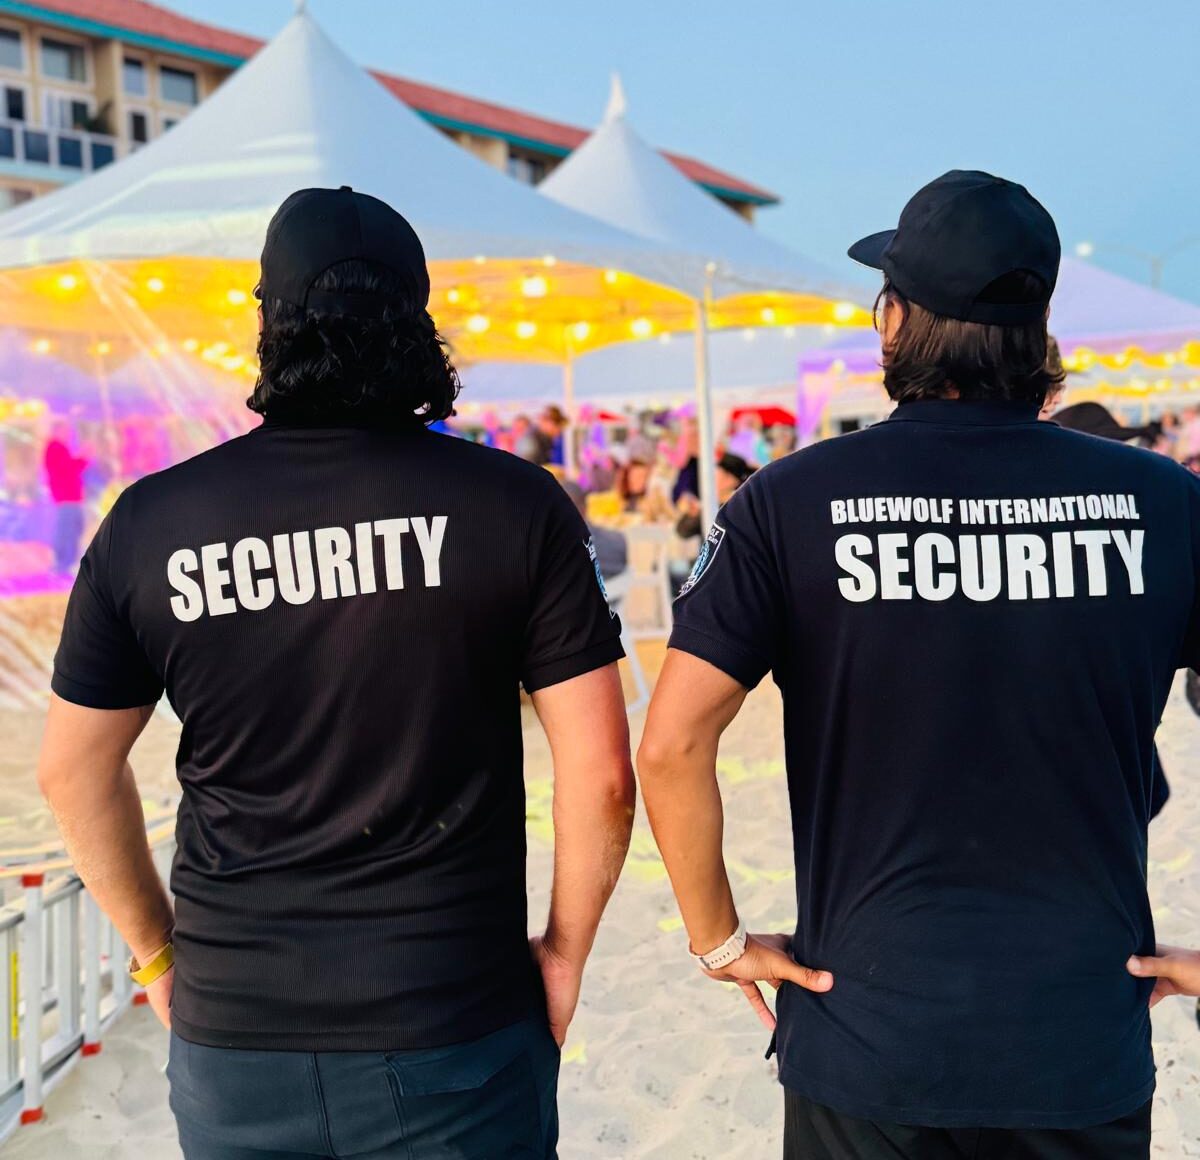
(340, 606)
(975, 619)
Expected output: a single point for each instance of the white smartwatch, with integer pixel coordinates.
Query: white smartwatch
(728, 952)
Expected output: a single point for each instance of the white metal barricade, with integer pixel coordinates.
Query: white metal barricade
(62, 981)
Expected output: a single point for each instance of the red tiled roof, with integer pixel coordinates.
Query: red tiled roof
(152, 20)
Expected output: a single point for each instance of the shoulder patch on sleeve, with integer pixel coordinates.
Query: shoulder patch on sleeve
(704, 561)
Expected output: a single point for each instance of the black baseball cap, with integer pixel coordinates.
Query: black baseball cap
(315, 229)
(959, 236)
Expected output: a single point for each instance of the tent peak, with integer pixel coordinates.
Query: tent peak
(616, 100)
(301, 7)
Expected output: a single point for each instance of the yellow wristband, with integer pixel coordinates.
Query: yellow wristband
(154, 969)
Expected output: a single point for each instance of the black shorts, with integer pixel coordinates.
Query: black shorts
(814, 1132)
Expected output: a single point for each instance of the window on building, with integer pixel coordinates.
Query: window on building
(65, 112)
(64, 62)
(178, 86)
(525, 167)
(14, 103)
(139, 127)
(133, 77)
(12, 51)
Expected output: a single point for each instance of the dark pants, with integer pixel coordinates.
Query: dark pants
(68, 529)
(489, 1099)
(814, 1132)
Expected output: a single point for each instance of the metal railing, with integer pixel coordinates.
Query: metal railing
(77, 149)
(62, 975)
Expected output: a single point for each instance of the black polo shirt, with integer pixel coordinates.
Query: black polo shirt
(975, 619)
(342, 619)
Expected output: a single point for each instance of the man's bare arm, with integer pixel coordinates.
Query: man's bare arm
(85, 776)
(693, 704)
(594, 795)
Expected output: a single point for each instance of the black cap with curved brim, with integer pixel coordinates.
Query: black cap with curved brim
(316, 229)
(957, 237)
(1096, 419)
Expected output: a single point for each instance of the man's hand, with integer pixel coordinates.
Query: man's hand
(562, 979)
(1176, 969)
(159, 995)
(767, 961)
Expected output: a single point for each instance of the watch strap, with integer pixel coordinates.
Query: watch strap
(158, 966)
(728, 952)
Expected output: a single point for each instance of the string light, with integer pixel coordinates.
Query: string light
(480, 259)
(478, 323)
(641, 328)
(104, 348)
(549, 260)
(190, 345)
(41, 346)
(580, 331)
(767, 314)
(454, 295)
(844, 311)
(748, 334)
(67, 283)
(611, 277)
(526, 329)
(534, 287)
(155, 285)
(237, 297)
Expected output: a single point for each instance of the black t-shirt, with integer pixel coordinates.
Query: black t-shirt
(341, 619)
(974, 619)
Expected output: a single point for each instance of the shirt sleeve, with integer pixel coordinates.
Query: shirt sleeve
(730, 610)
(99, 663)
(571, 629)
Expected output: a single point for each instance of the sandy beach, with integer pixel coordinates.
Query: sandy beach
(660, 1062)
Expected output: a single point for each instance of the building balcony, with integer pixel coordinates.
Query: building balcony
(38, 153)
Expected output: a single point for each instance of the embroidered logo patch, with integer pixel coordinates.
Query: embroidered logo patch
(708, 553)
(595, 559)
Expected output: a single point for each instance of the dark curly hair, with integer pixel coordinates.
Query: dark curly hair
(316, 366)
(931, 356)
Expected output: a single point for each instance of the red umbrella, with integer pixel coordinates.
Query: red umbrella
(770, 416)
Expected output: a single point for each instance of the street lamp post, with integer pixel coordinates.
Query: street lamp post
(1156, 262)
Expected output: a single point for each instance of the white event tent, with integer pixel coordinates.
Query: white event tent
(734, 275)
(166, 239)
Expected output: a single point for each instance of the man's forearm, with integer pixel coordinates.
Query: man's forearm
(683, 801)
(104, 830)
(591, 839)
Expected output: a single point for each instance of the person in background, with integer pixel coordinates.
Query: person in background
(732, 471)
(687, 482)
(341, 607)
(612, 549)
(969, 715)
(64, 474)
(553, 427)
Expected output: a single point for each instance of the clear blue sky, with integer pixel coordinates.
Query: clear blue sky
(845, 107)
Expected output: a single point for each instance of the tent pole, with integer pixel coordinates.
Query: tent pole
(707, 437)
(570, 446)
